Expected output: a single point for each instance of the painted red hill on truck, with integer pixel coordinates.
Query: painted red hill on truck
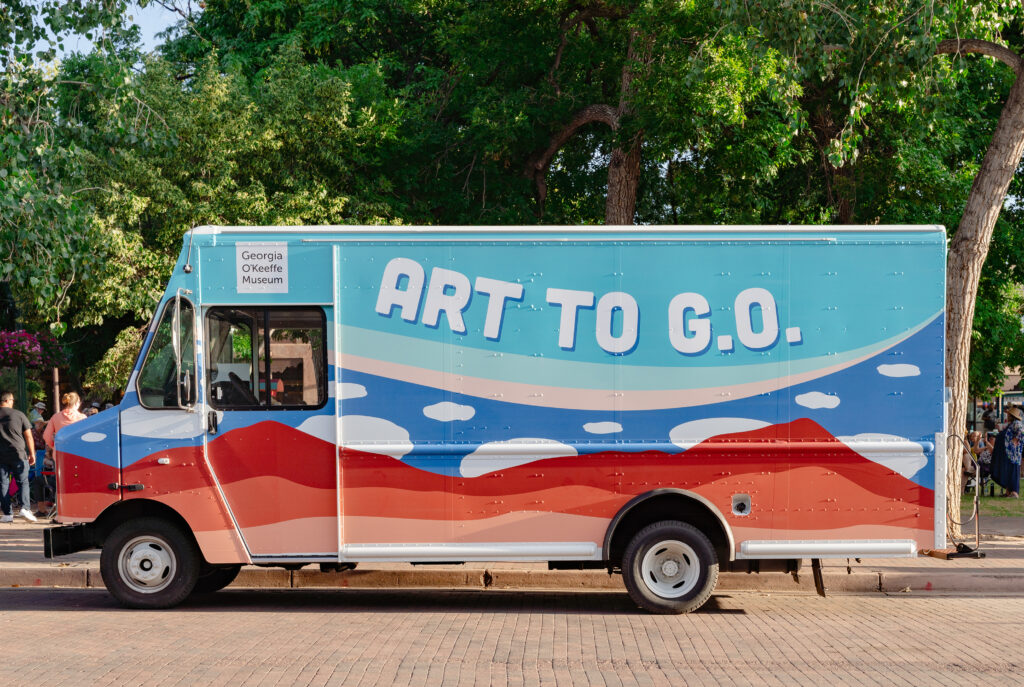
(664, 403)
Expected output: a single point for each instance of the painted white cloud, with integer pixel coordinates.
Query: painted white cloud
(894, 452)
(350, 390)
(816, 399)
(139, 422)
(500, 455)
(446, 411)
(689, 434)
(362, 433)
(899, 370)
(602, 427)
(93, 437)
(375, 435)
(321, 427)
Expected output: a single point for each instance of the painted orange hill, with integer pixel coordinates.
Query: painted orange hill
(803, 478)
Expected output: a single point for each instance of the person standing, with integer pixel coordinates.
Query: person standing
(69, 415)
(35, 414)
(989, 419)
(1006, 456)
(17, 453)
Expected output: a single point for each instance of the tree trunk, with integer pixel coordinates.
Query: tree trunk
(966, 257)
(624, 166)
(623, 179)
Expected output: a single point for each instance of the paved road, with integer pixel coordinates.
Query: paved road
(423, 637)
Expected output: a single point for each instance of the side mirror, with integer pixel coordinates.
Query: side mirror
(185, 388)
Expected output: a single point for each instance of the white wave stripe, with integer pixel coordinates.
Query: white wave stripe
(446, 411)
(899, 370)
(897, 453)
(602, 427)
(140, 422)
(362, 433)
(550, 383)
(351, 390)
(816, 400)
(689, 434)
(93, 437)
(500, 455)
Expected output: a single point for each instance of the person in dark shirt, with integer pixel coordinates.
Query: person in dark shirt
(17, 453)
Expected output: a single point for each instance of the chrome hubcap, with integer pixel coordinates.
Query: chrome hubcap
(147, 564)
(670, 569)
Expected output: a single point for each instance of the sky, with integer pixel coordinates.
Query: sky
(152, 20)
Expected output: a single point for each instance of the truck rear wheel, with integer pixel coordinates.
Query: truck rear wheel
(670, 567)
(149, 563)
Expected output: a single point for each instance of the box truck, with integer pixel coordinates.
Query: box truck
(663, 403)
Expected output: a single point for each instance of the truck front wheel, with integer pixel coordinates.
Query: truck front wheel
(670, 567)
(149, 563)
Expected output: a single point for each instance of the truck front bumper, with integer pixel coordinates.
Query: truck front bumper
(60, 541)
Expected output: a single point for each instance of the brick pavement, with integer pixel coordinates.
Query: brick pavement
(375, 637)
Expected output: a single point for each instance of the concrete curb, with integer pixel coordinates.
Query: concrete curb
(952, 582)
(77, 578)
(859, 582)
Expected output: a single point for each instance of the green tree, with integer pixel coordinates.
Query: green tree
(446, 111)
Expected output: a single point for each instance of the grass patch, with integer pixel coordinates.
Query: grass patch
(994, 506)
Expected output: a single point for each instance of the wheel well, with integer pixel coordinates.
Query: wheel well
(667, 505)
(136, 508)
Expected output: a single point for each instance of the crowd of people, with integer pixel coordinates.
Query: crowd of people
(27, 484)
(997, 452)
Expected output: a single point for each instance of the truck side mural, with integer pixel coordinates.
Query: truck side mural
(553, 395)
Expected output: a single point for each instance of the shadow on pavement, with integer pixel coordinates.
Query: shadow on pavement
(352, 601)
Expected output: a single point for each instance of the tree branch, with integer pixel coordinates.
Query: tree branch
(604, 114)
(537, 166)
(171, 7)
(141, 103)
(571, 20)
(958, 46)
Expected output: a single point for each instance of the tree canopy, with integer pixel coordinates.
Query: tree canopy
(455, 112)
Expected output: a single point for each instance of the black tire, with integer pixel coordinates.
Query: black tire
(670, 567)
(215, 578)
(149, 563)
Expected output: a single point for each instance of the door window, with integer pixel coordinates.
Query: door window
(271, 358)
(156, 382)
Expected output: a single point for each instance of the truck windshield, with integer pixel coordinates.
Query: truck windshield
(156, 384)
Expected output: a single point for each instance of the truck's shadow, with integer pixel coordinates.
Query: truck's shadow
(354, 601)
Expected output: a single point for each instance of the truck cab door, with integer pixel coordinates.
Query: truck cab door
(267, 390)
(160, 429)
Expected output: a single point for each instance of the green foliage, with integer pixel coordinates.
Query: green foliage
(108, 377)
(47, 237)
(997, 338)
(51, 240)
(9, 382)
(432, 111)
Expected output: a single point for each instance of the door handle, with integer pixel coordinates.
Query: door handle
(211, 422)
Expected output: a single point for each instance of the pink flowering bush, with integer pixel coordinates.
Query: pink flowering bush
(34, 350)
